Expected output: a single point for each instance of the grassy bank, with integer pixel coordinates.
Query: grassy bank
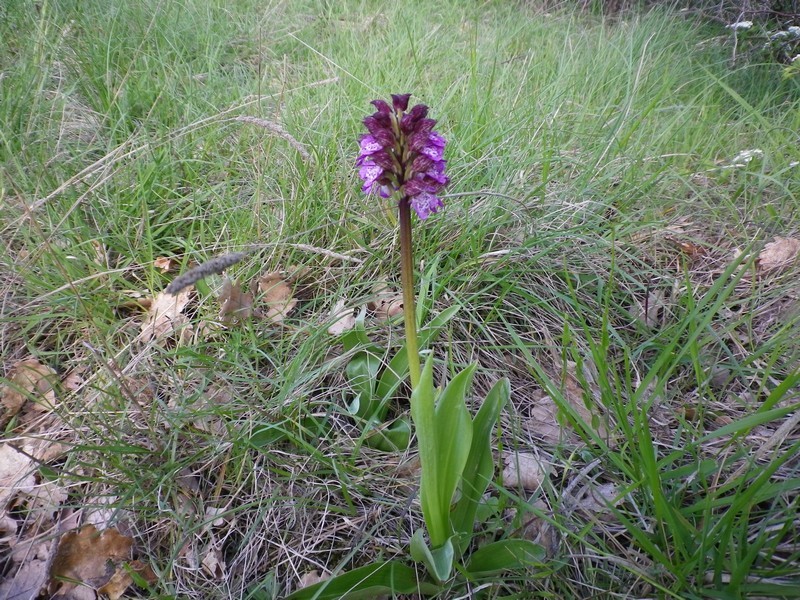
(604, 238)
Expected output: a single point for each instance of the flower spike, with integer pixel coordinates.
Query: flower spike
(402, 153)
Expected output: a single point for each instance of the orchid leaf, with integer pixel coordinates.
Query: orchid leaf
(479, 467)
(361, 372)
(371, 581)
(357, 336)
(439, 561)
(444, 433)
(393, 438)
(505, 555)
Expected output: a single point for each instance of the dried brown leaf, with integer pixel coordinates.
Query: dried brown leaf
(342, 317)
(523, 469)
(778, 254)
(213, 563)
(541, 531)
(647, 312)
(26, 582)
(45, 499)
(88, 556)
(597, 500)
(543, 421)
(213, 515)
(122, 579)
(690, 249)
(163, 263)
(72, 381)
(277, 295)
(386, 302)
(16, 475)
(236, 305)
(165, 315)
(29, 379)
(310, 578)
(546, 419)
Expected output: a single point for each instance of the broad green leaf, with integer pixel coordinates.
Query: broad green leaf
(444, 434)
(357, 336)
(362, 372)
(439, 561)
(393, 438)
(480, 467)
(505, 555)
(397, 370)
(270, 433)
(390, 577)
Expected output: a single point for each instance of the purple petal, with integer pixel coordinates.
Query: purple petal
(400, 101)
(385, 138)
(369, 145)
(382, 106)
(384, 160)
(421, 163)
(425, 204)
(370, 173)
(378, 121)
(410, 120)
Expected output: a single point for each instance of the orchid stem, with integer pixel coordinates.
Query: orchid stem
(407, 281)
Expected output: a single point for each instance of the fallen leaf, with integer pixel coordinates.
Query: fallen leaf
(235, 305)
(690, 249)
(99, 510)
(523, 469)
(310, 578)
(647, 312)
(386, 302)
(163, 263)
(26, 549)
(213, 563)
(277, 295)
(212, 513)
(72, 381)
(8, 526)
(122, 579)
(342, 317)
(597, 500)
(44, 450)
(165, 315)
(16, 474)
(87, 557)
(541, 531)
(45, 499)
(30, 379)
(574, 392)
(26, 583)
(778, 254)
(545, 419)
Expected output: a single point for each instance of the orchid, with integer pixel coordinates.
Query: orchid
(402, 154)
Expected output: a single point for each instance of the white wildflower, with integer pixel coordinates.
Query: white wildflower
(794, 30)
(740, 25)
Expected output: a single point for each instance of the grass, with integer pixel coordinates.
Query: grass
(591, 181)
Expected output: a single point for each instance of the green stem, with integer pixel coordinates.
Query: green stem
(407, 281)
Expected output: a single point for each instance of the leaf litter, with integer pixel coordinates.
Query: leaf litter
(778, 254)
